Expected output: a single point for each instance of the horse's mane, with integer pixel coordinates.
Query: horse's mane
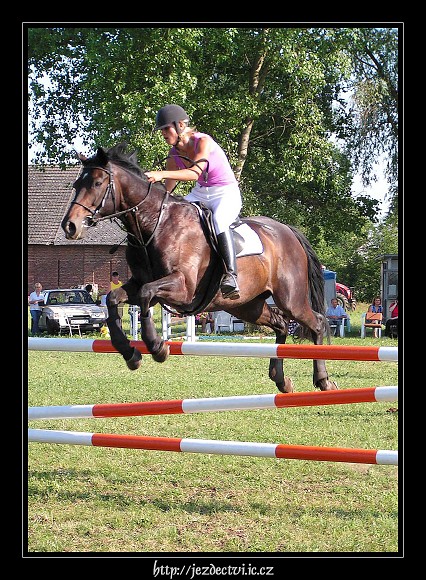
(119, 156)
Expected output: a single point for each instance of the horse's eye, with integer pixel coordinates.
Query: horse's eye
(98, 183)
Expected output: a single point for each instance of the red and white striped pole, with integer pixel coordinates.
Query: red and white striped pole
(229, 349)
(176, 406)
(279, 451)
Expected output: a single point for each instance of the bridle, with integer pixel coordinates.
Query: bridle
(110, 190)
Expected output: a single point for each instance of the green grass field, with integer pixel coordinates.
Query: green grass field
(104, 500)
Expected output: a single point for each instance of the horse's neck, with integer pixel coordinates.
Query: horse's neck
(142, 202)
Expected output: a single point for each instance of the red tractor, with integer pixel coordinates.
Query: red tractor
(345, 296)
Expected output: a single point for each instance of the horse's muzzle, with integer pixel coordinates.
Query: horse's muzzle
(70, 229)
(75, 231)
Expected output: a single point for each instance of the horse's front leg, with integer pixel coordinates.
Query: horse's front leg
(153, 341)
(118, 339)
(172, 288)
(274, 318)
(259, 312)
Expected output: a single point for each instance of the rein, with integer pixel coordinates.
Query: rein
(119, 213)
(205, 173)
(110, 190)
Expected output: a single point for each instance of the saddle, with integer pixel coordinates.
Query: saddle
(246, 240)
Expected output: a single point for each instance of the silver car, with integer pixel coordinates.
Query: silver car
(65, 309)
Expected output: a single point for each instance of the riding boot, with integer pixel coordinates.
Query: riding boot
(228, 284)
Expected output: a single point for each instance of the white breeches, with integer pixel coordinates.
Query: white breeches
(224, 201)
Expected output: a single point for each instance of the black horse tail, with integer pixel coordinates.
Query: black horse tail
(315, 273)
(316, 279)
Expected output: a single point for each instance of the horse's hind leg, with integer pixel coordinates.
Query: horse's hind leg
(259, 312)
(278, 323)
(276, 370)
(320, 376)
(314, 326)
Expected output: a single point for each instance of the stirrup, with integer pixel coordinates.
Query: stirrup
(232, 295)
(229, 287)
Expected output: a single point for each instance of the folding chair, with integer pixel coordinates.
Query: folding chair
(375, 322)
(345, 326)
(70, 326)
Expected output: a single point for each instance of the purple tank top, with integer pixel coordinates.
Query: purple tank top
(219, 169)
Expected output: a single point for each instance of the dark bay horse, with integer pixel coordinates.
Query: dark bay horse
(173, 262)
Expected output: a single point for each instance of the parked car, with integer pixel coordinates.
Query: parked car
(70, 307)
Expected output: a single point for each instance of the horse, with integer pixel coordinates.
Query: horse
(173, 261)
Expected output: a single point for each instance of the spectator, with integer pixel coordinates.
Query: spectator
(206, 318)
(377, 308)
(391, 326)
(93, 294)
(335, 315)
(35, 300)
(115, 281)
(114, 284)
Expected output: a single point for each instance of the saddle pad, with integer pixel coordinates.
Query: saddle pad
(249, 244)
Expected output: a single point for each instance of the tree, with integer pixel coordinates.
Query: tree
(369, 126)
(359, 265)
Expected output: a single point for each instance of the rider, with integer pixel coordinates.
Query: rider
(216, 186)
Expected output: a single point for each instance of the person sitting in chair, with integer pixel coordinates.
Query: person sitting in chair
(335, 315)
(391, 327)
(377, 308)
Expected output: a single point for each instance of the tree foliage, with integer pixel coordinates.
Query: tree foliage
(272, 97)
(370, 125)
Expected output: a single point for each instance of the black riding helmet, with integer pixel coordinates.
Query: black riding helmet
(170, 115)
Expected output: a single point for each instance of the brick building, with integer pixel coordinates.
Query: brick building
(52, 259)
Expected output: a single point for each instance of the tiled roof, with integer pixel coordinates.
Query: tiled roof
(49, 196)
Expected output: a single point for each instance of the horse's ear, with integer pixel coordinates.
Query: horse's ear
(119, 149)
(80, 156)
(133, 157)
(102, 156)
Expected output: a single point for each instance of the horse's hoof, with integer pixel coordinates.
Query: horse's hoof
(162, 354)
(326, 385)
(286, 387)
(135, 362)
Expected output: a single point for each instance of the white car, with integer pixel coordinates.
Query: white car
(70, 307)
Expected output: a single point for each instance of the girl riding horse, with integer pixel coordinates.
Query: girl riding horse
(216, 186)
